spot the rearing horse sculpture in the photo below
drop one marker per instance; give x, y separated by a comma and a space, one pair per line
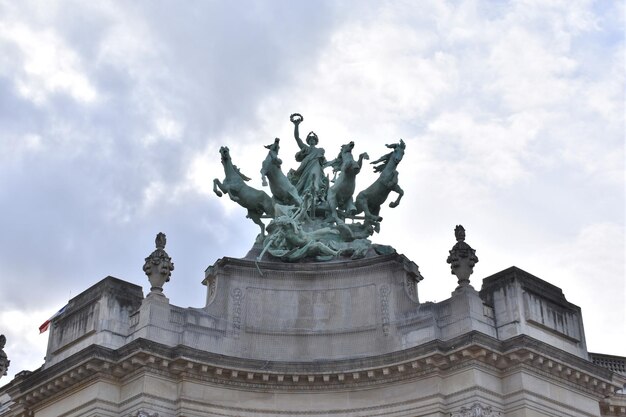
283, 190
257, 202
340, 194
369, 200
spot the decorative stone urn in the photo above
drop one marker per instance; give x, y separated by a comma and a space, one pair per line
158, 266
462, 258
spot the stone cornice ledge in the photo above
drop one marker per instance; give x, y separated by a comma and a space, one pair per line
314, 267
436, 356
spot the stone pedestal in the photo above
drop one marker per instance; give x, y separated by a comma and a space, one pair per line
152, 321
311, 311
464, 312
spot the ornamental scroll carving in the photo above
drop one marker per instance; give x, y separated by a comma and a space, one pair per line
211, 283
476, 410
237, 296
384, 308
411, 277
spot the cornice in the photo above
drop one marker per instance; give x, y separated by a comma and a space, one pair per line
436, 357
312, 267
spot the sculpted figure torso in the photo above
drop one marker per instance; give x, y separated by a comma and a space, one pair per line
310, 174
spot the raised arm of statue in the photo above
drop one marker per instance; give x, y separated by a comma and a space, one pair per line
296, 119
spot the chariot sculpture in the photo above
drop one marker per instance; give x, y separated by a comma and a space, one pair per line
307, 211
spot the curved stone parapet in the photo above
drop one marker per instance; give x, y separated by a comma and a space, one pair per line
335, 310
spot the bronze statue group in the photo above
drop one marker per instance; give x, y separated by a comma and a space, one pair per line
307, 209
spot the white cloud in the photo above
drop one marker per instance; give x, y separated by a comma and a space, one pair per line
47, 65
164, 128
590, 270
527, 73
379, 69
498, 145
25, 347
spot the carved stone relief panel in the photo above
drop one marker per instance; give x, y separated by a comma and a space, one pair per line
384, 308
410, 286
476, 410
237, 296
314, 311
211, 284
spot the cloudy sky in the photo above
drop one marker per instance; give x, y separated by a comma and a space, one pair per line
112, 115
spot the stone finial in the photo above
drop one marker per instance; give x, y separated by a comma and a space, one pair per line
160, 240
4, 360
158, 266
462, 258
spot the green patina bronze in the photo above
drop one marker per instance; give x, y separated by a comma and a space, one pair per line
257, 202
307, 214
340, 194
284, 192
369, 200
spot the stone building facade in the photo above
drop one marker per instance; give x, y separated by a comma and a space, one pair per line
346, 338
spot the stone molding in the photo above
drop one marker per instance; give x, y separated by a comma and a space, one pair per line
470, 350
316, 267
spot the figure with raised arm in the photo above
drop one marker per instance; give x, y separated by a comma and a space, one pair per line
310, 174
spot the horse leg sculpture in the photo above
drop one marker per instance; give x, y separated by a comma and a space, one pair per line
216, 184
256, 217
349, 208
363, 205
400, 192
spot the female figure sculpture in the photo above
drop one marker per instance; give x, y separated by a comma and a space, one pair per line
310, 174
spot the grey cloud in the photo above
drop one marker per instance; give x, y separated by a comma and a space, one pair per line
63, 207
75, 211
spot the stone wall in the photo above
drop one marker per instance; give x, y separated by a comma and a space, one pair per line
525, 304
100, 315
338, 339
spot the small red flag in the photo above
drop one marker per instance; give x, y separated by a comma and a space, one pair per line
46, 323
